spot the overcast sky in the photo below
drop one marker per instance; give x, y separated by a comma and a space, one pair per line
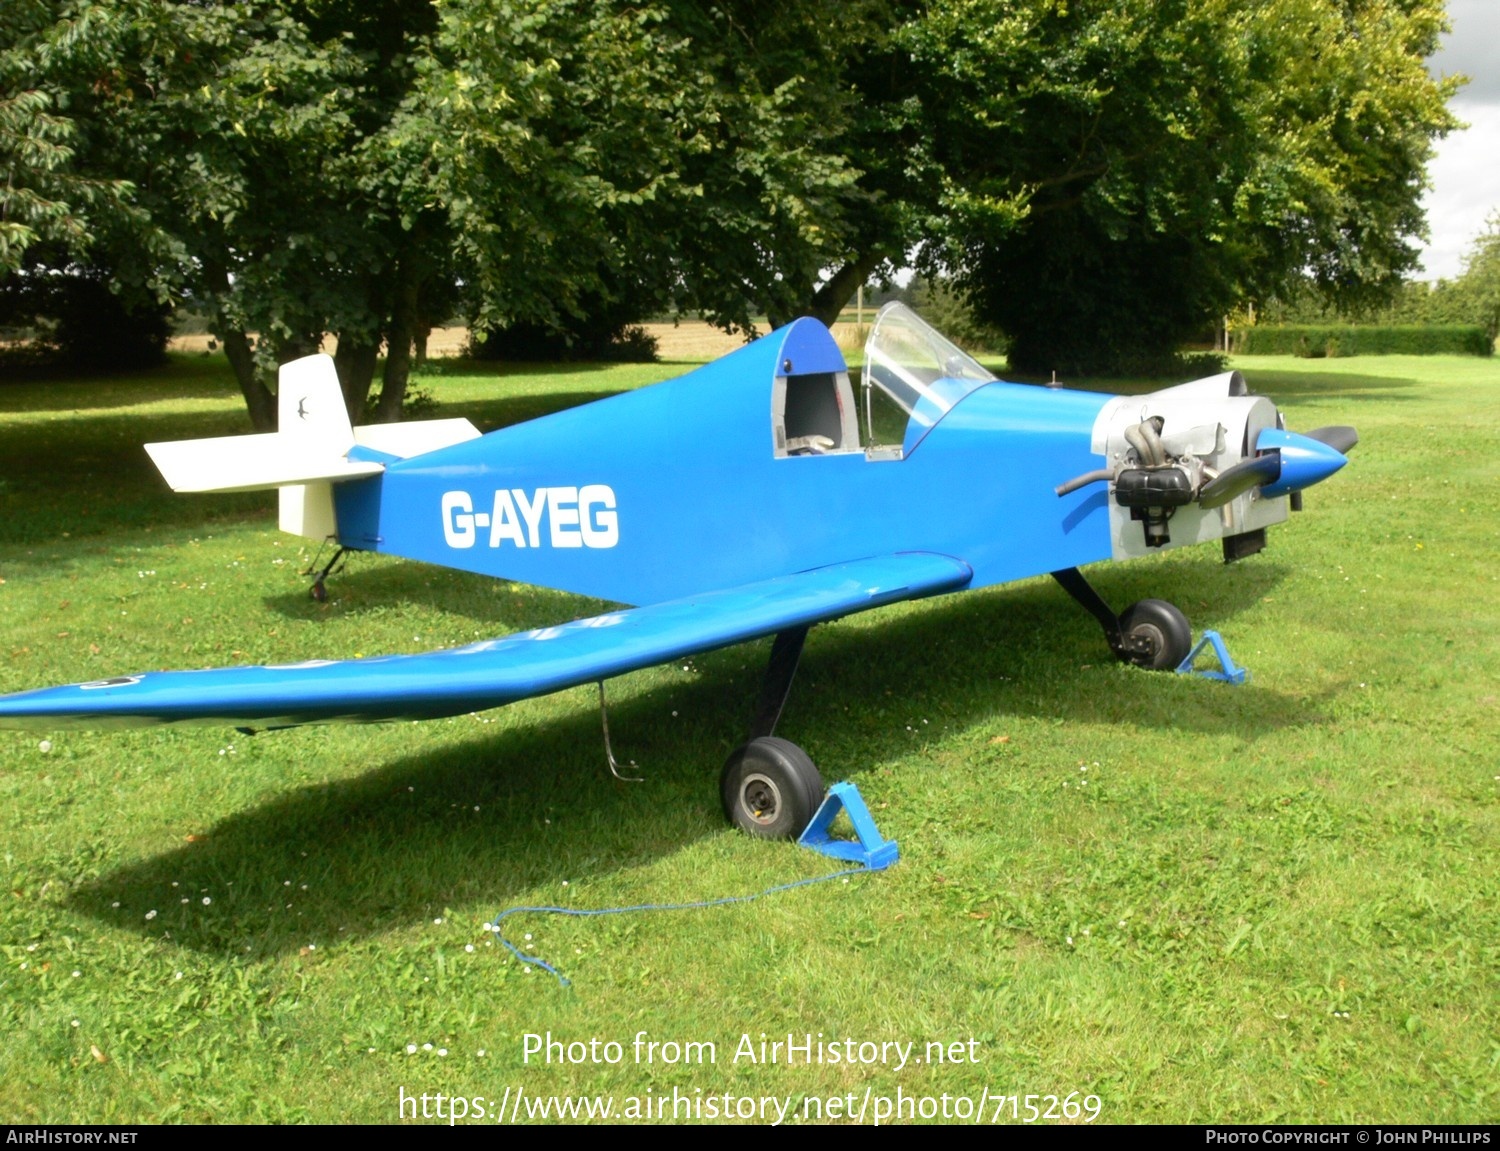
1465, 172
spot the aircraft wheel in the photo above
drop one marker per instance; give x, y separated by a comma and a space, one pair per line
1156, 635
770, 788
318, 591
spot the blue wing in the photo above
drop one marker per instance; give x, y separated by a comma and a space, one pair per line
493, 672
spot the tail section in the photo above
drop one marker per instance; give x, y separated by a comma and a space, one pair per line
310, 411
312, 444
308, 453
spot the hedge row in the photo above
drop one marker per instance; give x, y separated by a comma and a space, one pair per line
1314, 341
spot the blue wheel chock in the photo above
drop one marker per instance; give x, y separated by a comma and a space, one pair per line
871, 850
1228, 673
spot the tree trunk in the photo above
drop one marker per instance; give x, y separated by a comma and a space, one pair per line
355, 361
258, 398
259, 401
829, 300
403, 329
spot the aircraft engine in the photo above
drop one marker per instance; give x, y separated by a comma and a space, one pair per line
1204, 460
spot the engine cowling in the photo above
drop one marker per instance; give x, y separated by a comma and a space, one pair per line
1201, 461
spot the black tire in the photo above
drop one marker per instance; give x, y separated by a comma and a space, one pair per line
770, 788
1156, 635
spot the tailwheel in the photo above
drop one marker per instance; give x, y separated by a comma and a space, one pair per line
770, 788
1154, 634
319, 589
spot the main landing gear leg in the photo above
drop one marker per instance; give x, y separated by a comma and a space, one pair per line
1151, 634
776, 686
770, 787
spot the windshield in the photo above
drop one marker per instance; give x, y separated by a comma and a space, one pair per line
921, 371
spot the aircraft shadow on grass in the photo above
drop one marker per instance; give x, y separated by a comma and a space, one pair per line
391, 847
497, 607
1293, 386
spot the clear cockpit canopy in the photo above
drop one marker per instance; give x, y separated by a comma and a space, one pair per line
913, 375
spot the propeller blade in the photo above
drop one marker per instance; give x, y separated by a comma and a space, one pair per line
1240, 479
1339, 437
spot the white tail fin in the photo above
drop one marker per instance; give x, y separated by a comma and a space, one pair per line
305, 456
310, 409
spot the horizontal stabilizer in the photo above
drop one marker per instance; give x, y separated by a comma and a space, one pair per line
313, 437
249, 463
311, 443
416, 437
493, 672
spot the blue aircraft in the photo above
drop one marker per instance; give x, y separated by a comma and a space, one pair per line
756, 496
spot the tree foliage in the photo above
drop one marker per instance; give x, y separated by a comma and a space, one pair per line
1475, 296
1472, 298
1117, 172
42, 200
676, 155
335, 167
263, 149
1098, 176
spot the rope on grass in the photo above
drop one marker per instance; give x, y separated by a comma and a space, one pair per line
494, 925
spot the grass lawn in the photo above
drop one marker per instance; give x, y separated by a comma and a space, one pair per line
1193, 902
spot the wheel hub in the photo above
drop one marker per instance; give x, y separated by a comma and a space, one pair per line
1147, 639
761, 798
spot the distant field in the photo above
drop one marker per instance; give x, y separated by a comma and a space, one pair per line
691, 340
1192, 902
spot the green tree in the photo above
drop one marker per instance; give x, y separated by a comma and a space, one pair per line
42, 200
1118, 172
675, 155
66, 314
333, 167
263, 153
1473, 298
1097, 175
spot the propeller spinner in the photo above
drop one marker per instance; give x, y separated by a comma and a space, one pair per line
1287, 462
